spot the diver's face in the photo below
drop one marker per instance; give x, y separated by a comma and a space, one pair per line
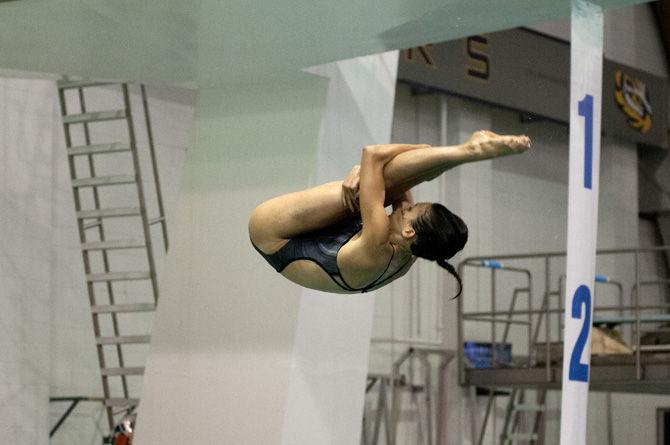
409, 212
404, 216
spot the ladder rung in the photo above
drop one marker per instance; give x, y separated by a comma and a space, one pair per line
123, 340
90, 225
118, 276
529, 408
103, 180
156, 220
121, 371
116, 308
95, 116
521, 436
109, 213
98, 149
83, 83
114, 244
122, 402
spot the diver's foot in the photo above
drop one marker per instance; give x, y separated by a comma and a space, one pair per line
487, 144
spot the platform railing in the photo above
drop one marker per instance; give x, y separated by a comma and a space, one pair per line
534, 317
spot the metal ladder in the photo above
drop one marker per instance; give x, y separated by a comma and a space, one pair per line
517, 410
372, 422
95, 221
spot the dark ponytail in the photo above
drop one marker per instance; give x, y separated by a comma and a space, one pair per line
444, 264
440, 235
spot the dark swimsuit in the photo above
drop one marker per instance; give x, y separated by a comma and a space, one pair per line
321, 246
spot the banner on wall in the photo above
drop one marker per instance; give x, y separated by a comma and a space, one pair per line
527, 71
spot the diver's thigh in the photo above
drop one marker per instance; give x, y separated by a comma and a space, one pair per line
293, 214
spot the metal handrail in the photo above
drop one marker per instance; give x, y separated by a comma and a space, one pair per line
599, 280
521, 256
495, 266
545, 311
154, 167
422, 355
557, 310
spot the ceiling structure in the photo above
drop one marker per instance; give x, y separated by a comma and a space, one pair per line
214, 42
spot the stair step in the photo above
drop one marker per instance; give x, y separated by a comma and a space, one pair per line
124, 340
113, 244
520, 436
109, 213
67, 84
95, 116
117, 308
103, 180
121, 402
116, 147
121, 371
528, 407
156, 220
117, 276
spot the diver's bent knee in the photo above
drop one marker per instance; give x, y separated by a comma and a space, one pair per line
256, 224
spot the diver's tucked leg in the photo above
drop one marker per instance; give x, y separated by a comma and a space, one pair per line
290, 215
414, 167
287, 216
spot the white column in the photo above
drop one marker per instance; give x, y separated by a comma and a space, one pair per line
29, 135
239, 354
224, 330
585, 106
330, 356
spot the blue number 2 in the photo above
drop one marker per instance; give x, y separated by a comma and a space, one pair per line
580, 371
585, 109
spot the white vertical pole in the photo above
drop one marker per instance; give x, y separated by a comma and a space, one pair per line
585, 109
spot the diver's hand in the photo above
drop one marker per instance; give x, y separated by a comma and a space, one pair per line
350, 189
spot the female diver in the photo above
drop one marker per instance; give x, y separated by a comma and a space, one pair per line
318, 239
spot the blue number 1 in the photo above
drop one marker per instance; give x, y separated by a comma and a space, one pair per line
585, 109
580, 371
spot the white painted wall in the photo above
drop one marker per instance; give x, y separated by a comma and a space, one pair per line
28, 135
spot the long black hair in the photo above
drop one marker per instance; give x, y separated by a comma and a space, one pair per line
440, 235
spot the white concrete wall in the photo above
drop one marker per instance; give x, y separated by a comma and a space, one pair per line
29, 134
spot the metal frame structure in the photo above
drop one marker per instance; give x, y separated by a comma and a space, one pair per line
430, 411
539, 368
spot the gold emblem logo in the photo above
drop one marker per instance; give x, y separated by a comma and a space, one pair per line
631, 96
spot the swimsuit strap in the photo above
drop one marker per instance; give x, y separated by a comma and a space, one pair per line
376, 281
387, 278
